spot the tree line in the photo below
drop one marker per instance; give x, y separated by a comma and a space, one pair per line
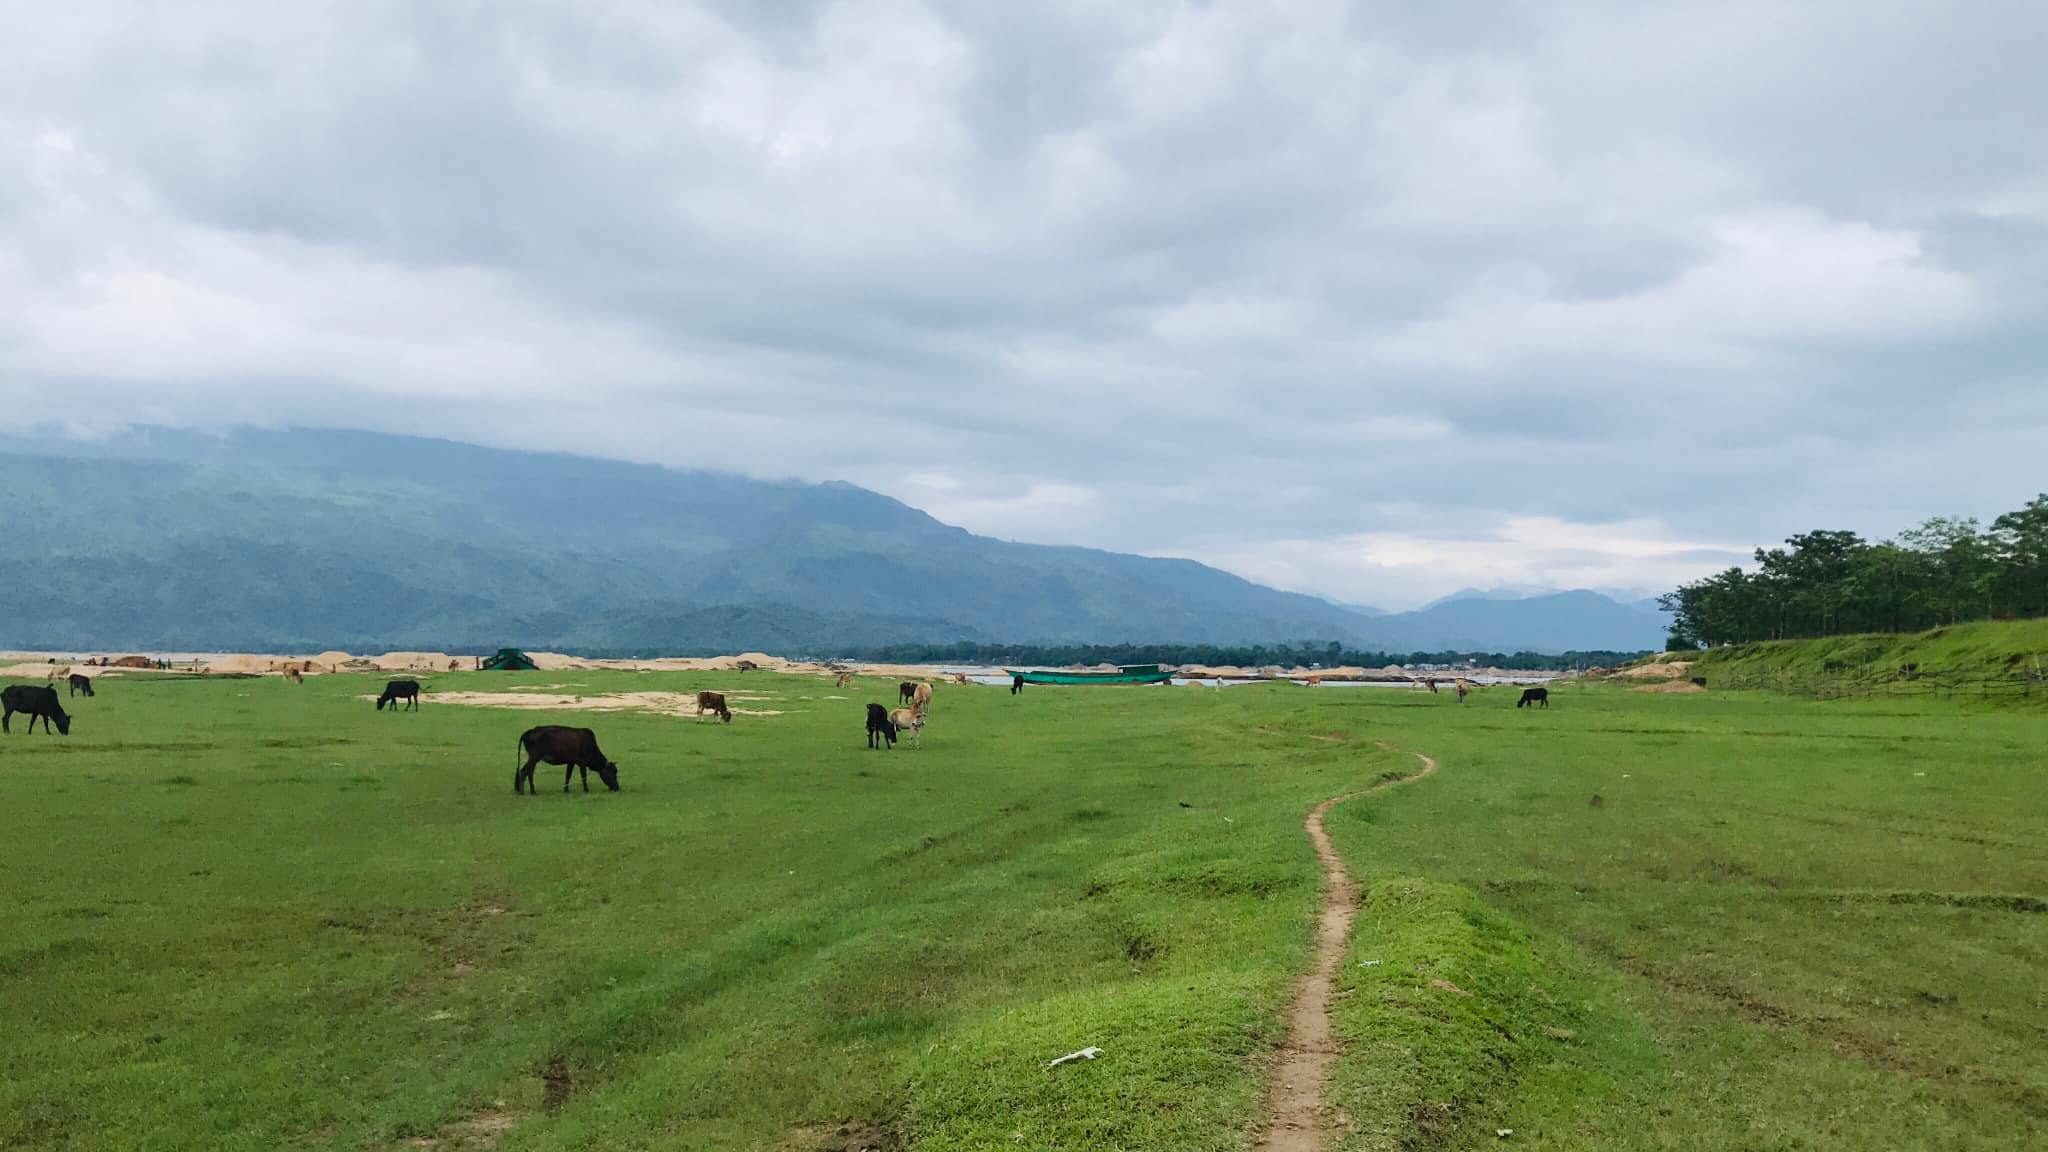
1329, 654
1947, 570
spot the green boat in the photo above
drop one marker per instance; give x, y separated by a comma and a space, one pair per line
1130, 674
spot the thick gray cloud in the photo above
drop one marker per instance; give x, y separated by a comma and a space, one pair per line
1373, 300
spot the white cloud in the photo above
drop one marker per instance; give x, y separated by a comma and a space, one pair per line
1404, 569
1361, 298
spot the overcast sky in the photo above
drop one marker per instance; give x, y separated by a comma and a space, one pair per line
1369, 300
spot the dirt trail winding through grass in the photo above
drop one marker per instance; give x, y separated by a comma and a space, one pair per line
1294, 1098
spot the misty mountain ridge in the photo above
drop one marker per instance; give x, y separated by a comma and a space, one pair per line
297, 540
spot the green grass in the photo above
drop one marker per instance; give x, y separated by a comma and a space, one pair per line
248, 914
1987, 649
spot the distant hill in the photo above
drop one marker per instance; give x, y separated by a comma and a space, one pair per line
301, 540
1557, 622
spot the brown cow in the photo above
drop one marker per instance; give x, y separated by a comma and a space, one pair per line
713, 702
909, 720
921, 698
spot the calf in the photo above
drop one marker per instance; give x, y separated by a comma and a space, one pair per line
80, 684
553, 744
881, 733
713, 702
398, 690
912, 721
39, 701
1539, 697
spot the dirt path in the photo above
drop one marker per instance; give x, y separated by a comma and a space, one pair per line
1294, 1098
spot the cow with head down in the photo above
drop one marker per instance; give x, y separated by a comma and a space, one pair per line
713, 703
553, 744
881, 733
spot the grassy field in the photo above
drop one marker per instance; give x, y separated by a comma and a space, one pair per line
1984, 650
245, 914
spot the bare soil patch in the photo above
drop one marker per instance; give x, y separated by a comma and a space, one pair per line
664, 703
1656, 670
1294, 1096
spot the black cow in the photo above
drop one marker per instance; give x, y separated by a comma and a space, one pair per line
1539, 697
553, 744
398, 690
39, 701
905, 691
1016, 685
1701, 681
80, 684
879, 728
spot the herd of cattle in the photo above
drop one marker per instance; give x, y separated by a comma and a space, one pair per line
575, 749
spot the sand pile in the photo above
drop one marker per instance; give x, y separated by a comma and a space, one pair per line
242, 663
1672, 670
418, 662
1671, 686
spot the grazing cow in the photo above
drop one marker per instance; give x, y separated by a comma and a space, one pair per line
1700, 681
912, 721
1431, 682
904, 691
713, 702
748, 666
843, 679
1016, 685
398, 690
39, 701
921, 698
1539, 697
80, 684
293, 675
1462, 687
553, 744
881, 733
960, 678
454, 664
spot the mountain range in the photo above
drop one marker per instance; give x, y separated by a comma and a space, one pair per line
297, 539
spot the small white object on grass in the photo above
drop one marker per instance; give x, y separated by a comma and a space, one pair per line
1369, 963
1503, 1133
1088, 1053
